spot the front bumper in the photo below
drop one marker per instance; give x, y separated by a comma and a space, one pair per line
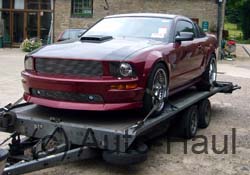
112, 99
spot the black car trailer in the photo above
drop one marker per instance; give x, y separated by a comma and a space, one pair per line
43, 137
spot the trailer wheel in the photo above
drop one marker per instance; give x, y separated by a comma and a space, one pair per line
133, 156
189, 122
204, 108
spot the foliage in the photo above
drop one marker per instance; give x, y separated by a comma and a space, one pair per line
245, 24
237, 13
235, 33
28, 45
233, 15
233, 11
235, 3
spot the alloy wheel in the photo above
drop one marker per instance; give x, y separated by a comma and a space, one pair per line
159, 89
212, 72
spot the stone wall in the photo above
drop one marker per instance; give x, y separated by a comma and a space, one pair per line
205, 10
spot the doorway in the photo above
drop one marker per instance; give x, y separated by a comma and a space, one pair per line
32, 25
17, 28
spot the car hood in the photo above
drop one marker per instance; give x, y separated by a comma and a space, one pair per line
115, 49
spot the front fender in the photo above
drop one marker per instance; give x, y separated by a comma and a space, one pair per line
151, 60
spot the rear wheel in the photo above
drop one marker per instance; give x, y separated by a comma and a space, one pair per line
157, 90
204, 108
209, 76
189, 122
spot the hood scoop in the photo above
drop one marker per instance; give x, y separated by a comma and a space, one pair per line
96, 38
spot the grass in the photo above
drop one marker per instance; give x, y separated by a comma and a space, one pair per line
235, 33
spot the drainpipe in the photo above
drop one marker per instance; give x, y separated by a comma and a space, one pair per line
221, 18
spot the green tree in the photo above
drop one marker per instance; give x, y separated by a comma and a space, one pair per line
245, 19
233, 11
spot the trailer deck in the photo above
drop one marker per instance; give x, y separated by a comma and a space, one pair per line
92, 130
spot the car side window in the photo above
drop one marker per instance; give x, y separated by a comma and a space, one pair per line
201, 32
197, 30
184, 26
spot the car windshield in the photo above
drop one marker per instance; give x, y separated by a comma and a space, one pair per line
135, 27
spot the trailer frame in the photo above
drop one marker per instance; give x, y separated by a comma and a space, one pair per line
80, 137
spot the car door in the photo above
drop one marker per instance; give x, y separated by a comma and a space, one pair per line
203, 45
184, 55
200, 42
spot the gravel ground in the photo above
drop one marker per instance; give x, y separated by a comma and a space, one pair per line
228, 111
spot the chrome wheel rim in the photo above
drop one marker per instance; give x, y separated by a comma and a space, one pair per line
159, 89
212, 72
194, 123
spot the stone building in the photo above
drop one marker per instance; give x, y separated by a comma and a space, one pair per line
48, 18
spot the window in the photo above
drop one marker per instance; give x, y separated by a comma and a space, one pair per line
195, 20
199, 31
33, 4
5, 4
19, 4
82, 8
184, 26
46, 4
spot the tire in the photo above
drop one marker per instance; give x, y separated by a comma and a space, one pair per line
189, 122
160, 91
209, 76
204, 108
133, 156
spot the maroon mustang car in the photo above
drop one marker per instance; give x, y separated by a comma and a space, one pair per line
122, 62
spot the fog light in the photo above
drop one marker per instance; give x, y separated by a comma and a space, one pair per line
38, 92
91, 98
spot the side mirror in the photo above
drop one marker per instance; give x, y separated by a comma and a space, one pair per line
184, 36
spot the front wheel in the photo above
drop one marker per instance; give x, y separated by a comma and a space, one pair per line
156, 90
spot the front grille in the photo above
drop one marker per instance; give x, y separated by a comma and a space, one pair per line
55, 66
67, 96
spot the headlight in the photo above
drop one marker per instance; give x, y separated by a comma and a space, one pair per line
29, 63
126, 70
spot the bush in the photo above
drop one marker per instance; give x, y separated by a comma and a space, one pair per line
28, 45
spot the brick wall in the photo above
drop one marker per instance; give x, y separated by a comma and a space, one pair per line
205, 10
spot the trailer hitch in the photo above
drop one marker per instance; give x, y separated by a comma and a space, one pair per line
229, 87
7, 121
8, 118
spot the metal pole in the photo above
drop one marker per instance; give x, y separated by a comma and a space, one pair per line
221, 17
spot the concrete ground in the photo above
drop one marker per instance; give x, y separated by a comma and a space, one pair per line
228, 111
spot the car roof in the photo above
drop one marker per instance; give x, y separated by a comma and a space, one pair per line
160, 15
